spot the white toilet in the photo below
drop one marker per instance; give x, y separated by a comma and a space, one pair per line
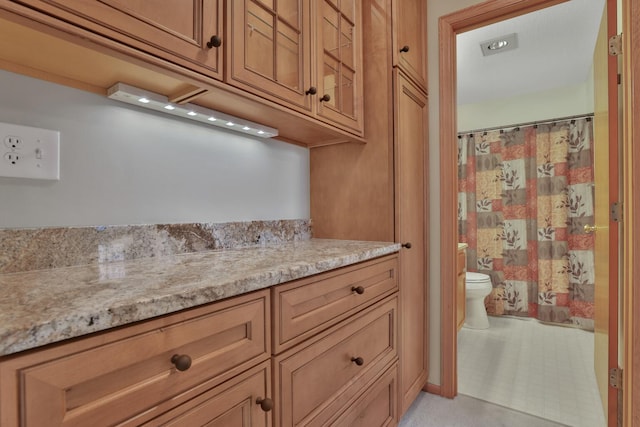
477, 287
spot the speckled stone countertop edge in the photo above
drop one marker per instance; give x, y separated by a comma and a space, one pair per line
48, 306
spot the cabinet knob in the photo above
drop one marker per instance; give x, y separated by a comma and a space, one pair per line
215, 41
266, 404
312, 91
181, 361
407, 245
404, 49
358, 360
325, 98
357, 289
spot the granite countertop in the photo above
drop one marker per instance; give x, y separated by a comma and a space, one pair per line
462, 246
47, 306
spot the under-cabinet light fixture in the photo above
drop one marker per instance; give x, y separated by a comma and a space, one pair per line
153, 101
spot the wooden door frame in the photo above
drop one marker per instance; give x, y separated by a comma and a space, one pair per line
631, 219
487, 13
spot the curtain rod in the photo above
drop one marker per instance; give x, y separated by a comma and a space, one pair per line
538, 122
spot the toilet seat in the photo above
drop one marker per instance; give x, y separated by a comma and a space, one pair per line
473, 277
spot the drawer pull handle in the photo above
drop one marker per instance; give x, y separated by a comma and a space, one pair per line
407, 245
215, 41
404, 49
266, 404
312, 91
358, 290
325, 98
182, 361
358, 360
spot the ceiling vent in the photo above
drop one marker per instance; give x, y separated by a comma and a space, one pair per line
499, 44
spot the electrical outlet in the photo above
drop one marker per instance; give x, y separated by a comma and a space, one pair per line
12, 157
30, 152
13, 142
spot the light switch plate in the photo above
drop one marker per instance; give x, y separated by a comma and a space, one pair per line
29, 152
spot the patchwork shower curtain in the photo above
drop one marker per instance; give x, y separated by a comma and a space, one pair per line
524, 197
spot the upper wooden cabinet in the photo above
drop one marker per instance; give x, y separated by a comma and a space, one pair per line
410, 39
339, 61
270, 52
255, 59
269, 49
187, 33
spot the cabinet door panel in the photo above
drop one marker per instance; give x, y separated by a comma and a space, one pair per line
230, 404
270, 49
410, 29
177, 31
377, 406
340, 63
411, 190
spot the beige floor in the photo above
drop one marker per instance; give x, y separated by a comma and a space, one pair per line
519, 373
535, 368
429, 410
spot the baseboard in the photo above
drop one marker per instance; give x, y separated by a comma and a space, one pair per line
432, 388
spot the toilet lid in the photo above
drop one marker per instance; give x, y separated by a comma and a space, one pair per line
476, 277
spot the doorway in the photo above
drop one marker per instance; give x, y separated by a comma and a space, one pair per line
451, 25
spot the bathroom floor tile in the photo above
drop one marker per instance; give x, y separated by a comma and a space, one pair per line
539, 369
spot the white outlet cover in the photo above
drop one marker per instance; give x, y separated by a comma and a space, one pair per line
29, 152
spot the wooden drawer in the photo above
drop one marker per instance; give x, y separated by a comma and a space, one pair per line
317, 379
127, 374
308, 306
232, 403
377, 407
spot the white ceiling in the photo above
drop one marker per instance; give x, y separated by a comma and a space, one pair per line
555, 49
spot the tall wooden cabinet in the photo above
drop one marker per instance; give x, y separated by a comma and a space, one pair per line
411, 131
379, 191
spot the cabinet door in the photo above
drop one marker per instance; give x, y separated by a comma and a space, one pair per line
377, 406
410, 39
411, 219
233, 403
177, 31
340, 63
270, 49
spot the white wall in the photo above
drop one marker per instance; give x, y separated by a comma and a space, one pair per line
550, 104
436, 9
122, 165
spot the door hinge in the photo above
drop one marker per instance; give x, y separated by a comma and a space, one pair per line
616, 212
619, 78
615, 378
615, 45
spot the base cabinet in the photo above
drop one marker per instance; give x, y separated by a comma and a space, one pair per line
219, 364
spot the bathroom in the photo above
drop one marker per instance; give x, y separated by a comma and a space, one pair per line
526, 193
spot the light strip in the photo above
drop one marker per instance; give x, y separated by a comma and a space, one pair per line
153, 101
